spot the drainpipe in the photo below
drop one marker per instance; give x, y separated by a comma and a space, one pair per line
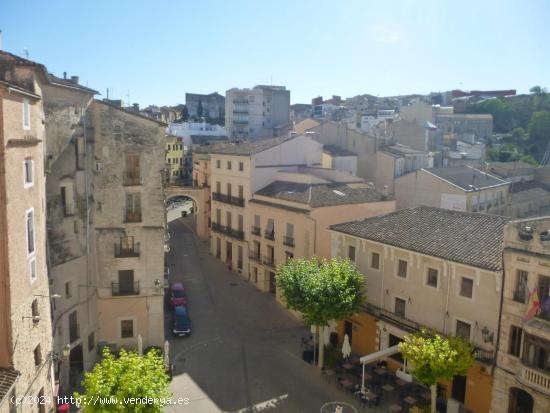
494, 364
446, 316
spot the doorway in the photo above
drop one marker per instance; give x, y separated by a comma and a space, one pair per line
520, 401
348, 329
459, 388
272, 284
76, 365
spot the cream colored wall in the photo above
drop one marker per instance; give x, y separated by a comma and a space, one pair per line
428, 305
327, 216
421, 188
326, 161
26, 334
385, 171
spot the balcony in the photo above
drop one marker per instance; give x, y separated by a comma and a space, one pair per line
269, 261
256, 231
269, 235
484, 356
222, 229
535, 378
228, 199
217, 227
124, 251
288, 241
240, 111
240, 101
253, 255
240, 122
123, 289
132, 216
131, 178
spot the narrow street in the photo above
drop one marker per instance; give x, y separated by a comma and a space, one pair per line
244, 352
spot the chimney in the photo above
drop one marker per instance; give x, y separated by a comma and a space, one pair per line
64, 75
75, 79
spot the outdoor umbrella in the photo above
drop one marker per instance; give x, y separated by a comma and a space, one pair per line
346, 348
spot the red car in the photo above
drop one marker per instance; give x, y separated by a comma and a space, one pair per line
177, 295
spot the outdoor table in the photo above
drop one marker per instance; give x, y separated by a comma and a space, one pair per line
400, 382
347, 384
395, 408
329, 374
347, 366
387, 387
369, 395
410, 400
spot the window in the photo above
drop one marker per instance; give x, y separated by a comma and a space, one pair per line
91, 341
74, 331
402, 268
399, 308
218, 164
68, 289
520, 292
218, 216
126, 328
288, 255
28, 172
536, 353
466, 287
133, 207
351, 253
169, 149
132, 171
228, 165
218, 187
516, 334
228, 189
241, 166
432, 277
228, 219
463, 329
32, 269
270, 230
67, 199
126, 284
241, 192
34, 308
30, 231
37, 355
375, 260
240, 223
26, 115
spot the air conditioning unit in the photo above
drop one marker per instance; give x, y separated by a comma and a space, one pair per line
99, 166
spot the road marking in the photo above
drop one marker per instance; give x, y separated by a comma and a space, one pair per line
192, 347
258, 407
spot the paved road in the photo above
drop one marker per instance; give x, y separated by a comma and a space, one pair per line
244, 352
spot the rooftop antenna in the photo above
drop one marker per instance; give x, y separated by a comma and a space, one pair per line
107, 93
26, 53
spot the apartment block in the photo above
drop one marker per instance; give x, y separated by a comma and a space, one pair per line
461, 188
428, 268
105, 214
522, 374
26, 354
290, 217
175, 159
237, 171
260, 112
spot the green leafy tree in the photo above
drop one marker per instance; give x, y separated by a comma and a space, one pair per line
184, 114
113, 381
539, 133
435, 357
321, 290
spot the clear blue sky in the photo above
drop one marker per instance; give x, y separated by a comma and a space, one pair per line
158, 50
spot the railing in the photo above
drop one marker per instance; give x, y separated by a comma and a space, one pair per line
132, 216
256, 230
542, 314
234, 233
269, 235
288, 241
520, 296
228, 199
217, 227
239, 110
121, 289
535, 378
253, 255
240, 101
485, 356
240, 122
269, 261
131, 178
121, 252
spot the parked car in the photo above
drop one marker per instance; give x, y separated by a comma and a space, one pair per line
177, 295
182, 322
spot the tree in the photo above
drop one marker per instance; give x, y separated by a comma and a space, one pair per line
113, 381
435, 357
321, 290
184, 114
539, 133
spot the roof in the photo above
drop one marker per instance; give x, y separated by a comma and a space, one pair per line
54, 80
321, 195
335, 150
249, 147
511, 166
466, 177
8, 377
130, 112
468, 238
306, 124
401, 150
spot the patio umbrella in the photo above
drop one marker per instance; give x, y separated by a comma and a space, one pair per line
140, 345
346, 347
326, 335
166, 353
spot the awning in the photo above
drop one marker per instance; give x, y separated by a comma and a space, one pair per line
369, 358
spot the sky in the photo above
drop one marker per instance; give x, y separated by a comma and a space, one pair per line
156, 51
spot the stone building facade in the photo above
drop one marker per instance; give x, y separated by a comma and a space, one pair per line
522, 374
26, 356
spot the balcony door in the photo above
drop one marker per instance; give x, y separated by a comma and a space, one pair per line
459, 388
126, 282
